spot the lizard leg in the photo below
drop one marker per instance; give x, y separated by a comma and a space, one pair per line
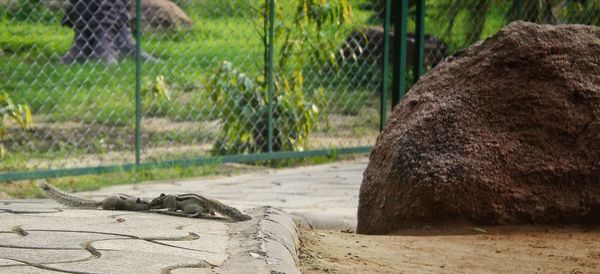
194, 215
194, 210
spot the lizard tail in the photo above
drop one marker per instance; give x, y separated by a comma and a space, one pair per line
228, 211
67, 199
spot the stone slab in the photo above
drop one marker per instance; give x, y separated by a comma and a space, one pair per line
52, 239
213, 252
191, 270
43, 256
58, 238
8, 262
323, 191
25, 269
141, 261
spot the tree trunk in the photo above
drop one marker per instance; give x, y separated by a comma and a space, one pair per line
102, 31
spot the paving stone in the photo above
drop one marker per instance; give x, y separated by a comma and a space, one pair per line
213, 252
326, 220
43, 256
200, 226
128, 262
25, 270
6, 226
205, 242
5, 262
52, 239
191, 271
27, 205
51, 221
142, 225
12, 209
79, 213
288, 189
325, 195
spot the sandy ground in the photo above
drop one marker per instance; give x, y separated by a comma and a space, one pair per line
459, 250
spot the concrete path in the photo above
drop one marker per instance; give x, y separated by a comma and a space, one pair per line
326, 195
40, 236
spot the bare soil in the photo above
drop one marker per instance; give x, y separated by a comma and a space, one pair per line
522, 249
110, 144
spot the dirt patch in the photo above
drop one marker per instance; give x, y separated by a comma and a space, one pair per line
505, 133
456, 250
161, 125
70, 144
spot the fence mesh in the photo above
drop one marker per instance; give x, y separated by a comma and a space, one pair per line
204, 85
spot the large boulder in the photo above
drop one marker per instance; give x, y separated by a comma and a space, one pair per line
161, 15
508, 132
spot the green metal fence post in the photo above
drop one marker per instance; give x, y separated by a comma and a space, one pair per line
385, 69
519, 9
399, 54
270, 84
419, 41
138, 80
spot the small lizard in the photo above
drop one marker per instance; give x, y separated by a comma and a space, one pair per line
114, 202
195, 205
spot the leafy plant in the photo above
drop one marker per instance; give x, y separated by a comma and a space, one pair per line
243, 99
20, 114
26, 10
157, 90
311, 37
245, 112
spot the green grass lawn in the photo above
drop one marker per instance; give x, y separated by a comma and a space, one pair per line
100, 98
30, 66
93, 92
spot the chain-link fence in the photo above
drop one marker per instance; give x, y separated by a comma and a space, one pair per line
211, 80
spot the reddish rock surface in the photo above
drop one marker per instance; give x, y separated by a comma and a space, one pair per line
508, 131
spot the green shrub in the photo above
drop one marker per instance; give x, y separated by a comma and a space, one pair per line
27, 10
156, 90
20, 114
244, 112
243, 99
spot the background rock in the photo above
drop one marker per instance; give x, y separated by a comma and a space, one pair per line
161, 15
508, 132
158, 15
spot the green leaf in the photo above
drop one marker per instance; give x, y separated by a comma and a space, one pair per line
20, 114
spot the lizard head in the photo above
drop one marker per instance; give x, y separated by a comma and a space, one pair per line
158, 201
142, 204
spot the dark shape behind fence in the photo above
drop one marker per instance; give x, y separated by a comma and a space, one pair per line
102, 31
366, 45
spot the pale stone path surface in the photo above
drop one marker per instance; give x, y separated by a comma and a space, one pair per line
327, 194
41, 236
